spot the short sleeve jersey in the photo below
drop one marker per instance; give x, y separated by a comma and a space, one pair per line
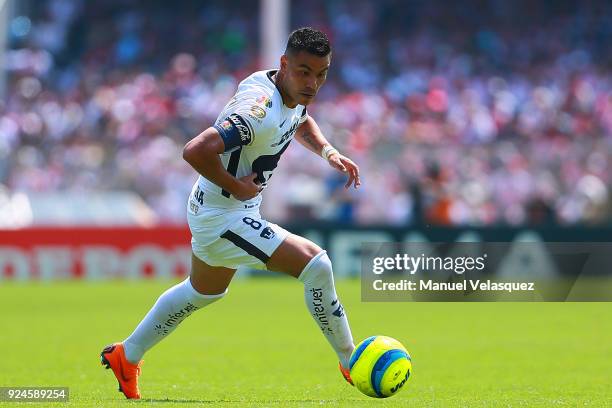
256, 128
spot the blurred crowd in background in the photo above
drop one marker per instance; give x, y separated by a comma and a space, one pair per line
467, 112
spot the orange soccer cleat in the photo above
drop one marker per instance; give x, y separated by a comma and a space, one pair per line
346, 374
113, 357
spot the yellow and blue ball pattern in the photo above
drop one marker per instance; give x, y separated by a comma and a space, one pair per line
380, 366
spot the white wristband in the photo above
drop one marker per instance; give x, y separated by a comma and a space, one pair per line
327, 151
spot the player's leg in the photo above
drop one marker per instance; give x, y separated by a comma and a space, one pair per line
303, 259
252, 241
206, 285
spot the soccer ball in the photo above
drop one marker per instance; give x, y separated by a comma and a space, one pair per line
380, 366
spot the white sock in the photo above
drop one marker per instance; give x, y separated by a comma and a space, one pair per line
326, 309
172, 307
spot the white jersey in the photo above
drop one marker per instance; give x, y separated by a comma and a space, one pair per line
257, 128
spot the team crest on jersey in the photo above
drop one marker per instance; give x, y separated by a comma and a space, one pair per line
258, 112
265, 101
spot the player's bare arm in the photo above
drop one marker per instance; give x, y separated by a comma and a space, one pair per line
202, 153
310, 136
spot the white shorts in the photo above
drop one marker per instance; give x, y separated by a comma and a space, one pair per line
233, 238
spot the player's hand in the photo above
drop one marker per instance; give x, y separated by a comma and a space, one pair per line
345, 165
247, 187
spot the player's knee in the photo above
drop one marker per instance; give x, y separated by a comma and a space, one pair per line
207, 294
211, 298
319, 268
204, 299
313, 250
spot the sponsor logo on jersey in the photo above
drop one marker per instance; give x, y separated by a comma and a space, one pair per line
258, 112
286, 135
265, 101
243, 129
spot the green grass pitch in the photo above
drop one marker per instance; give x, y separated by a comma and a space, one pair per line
259, 347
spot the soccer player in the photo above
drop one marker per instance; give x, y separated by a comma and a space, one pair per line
235, 159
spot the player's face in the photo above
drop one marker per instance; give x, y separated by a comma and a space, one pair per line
305, 74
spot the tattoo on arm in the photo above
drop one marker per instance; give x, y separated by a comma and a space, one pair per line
308, 138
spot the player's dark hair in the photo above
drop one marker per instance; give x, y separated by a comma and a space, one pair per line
310, 40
